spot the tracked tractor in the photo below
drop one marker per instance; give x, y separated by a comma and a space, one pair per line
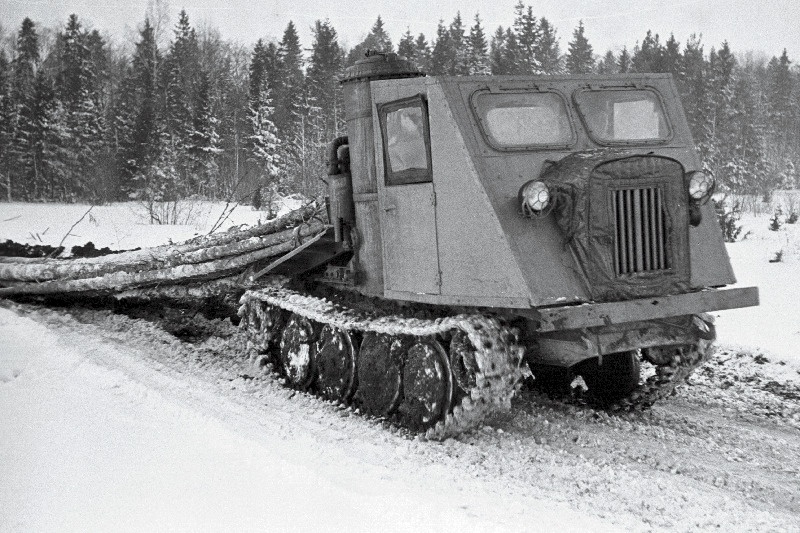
485, 228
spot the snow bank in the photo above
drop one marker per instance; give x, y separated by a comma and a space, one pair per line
120, 225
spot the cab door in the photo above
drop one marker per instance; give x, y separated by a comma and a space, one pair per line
407, 198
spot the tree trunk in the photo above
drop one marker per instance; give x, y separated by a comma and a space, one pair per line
214, 257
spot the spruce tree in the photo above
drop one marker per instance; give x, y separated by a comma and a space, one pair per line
502, 52
376, 40
527, 35
580, 59
288, 82
672, 57
406, 47
607, 65
7, 127
136, 121
624, 61
26, 62
460, 47
322, 78
423, 53
264, 143
478, 62
548, 53
443, 54
204, 142
649, 57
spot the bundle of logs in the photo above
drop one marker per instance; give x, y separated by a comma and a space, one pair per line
201, 267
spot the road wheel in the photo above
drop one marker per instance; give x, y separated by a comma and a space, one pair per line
427, 384
380, 373
298, 351
336, 364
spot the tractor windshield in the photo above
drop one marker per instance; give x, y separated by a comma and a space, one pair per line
620, 115
523, 120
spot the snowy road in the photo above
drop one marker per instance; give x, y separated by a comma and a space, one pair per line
110, 431
109, 423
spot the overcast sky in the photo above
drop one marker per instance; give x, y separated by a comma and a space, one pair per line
767, 25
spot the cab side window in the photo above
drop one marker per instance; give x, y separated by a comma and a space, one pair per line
406, 141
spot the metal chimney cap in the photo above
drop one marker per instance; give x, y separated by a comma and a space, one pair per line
378, 65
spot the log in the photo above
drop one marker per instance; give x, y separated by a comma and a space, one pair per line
313, 210
119, 281
135, 261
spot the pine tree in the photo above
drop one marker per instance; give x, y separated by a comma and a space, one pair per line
548, 53
478, 62
579, 57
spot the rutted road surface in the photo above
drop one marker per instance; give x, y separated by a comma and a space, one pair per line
724, 454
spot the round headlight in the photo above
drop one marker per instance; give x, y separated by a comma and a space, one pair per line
700, 185
535, 197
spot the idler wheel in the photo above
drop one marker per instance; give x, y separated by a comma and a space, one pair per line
336, 364
297, 352
462, 361
427, 384
380, 373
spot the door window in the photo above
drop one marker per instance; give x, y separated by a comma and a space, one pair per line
406, 141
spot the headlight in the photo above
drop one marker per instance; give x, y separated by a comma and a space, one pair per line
701, 185
534, 197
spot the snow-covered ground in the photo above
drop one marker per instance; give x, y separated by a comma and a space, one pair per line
108, 423
122, 226
95, 439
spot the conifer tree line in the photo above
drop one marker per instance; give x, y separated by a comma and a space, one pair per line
208, 118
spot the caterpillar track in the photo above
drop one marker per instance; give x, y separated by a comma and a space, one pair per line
673, 365
441, 376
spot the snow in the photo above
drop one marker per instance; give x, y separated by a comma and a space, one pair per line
95, 439
121, 225
99, 433
772, 328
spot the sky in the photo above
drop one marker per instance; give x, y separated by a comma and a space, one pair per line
767, 26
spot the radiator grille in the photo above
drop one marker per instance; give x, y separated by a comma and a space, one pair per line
641, 243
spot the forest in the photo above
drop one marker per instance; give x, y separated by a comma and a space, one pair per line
183, 113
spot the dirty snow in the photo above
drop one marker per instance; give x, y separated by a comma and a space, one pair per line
96, 436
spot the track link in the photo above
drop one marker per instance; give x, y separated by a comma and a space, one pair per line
673, 365
497, 364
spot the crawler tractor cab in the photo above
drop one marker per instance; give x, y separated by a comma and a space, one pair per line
574, 206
